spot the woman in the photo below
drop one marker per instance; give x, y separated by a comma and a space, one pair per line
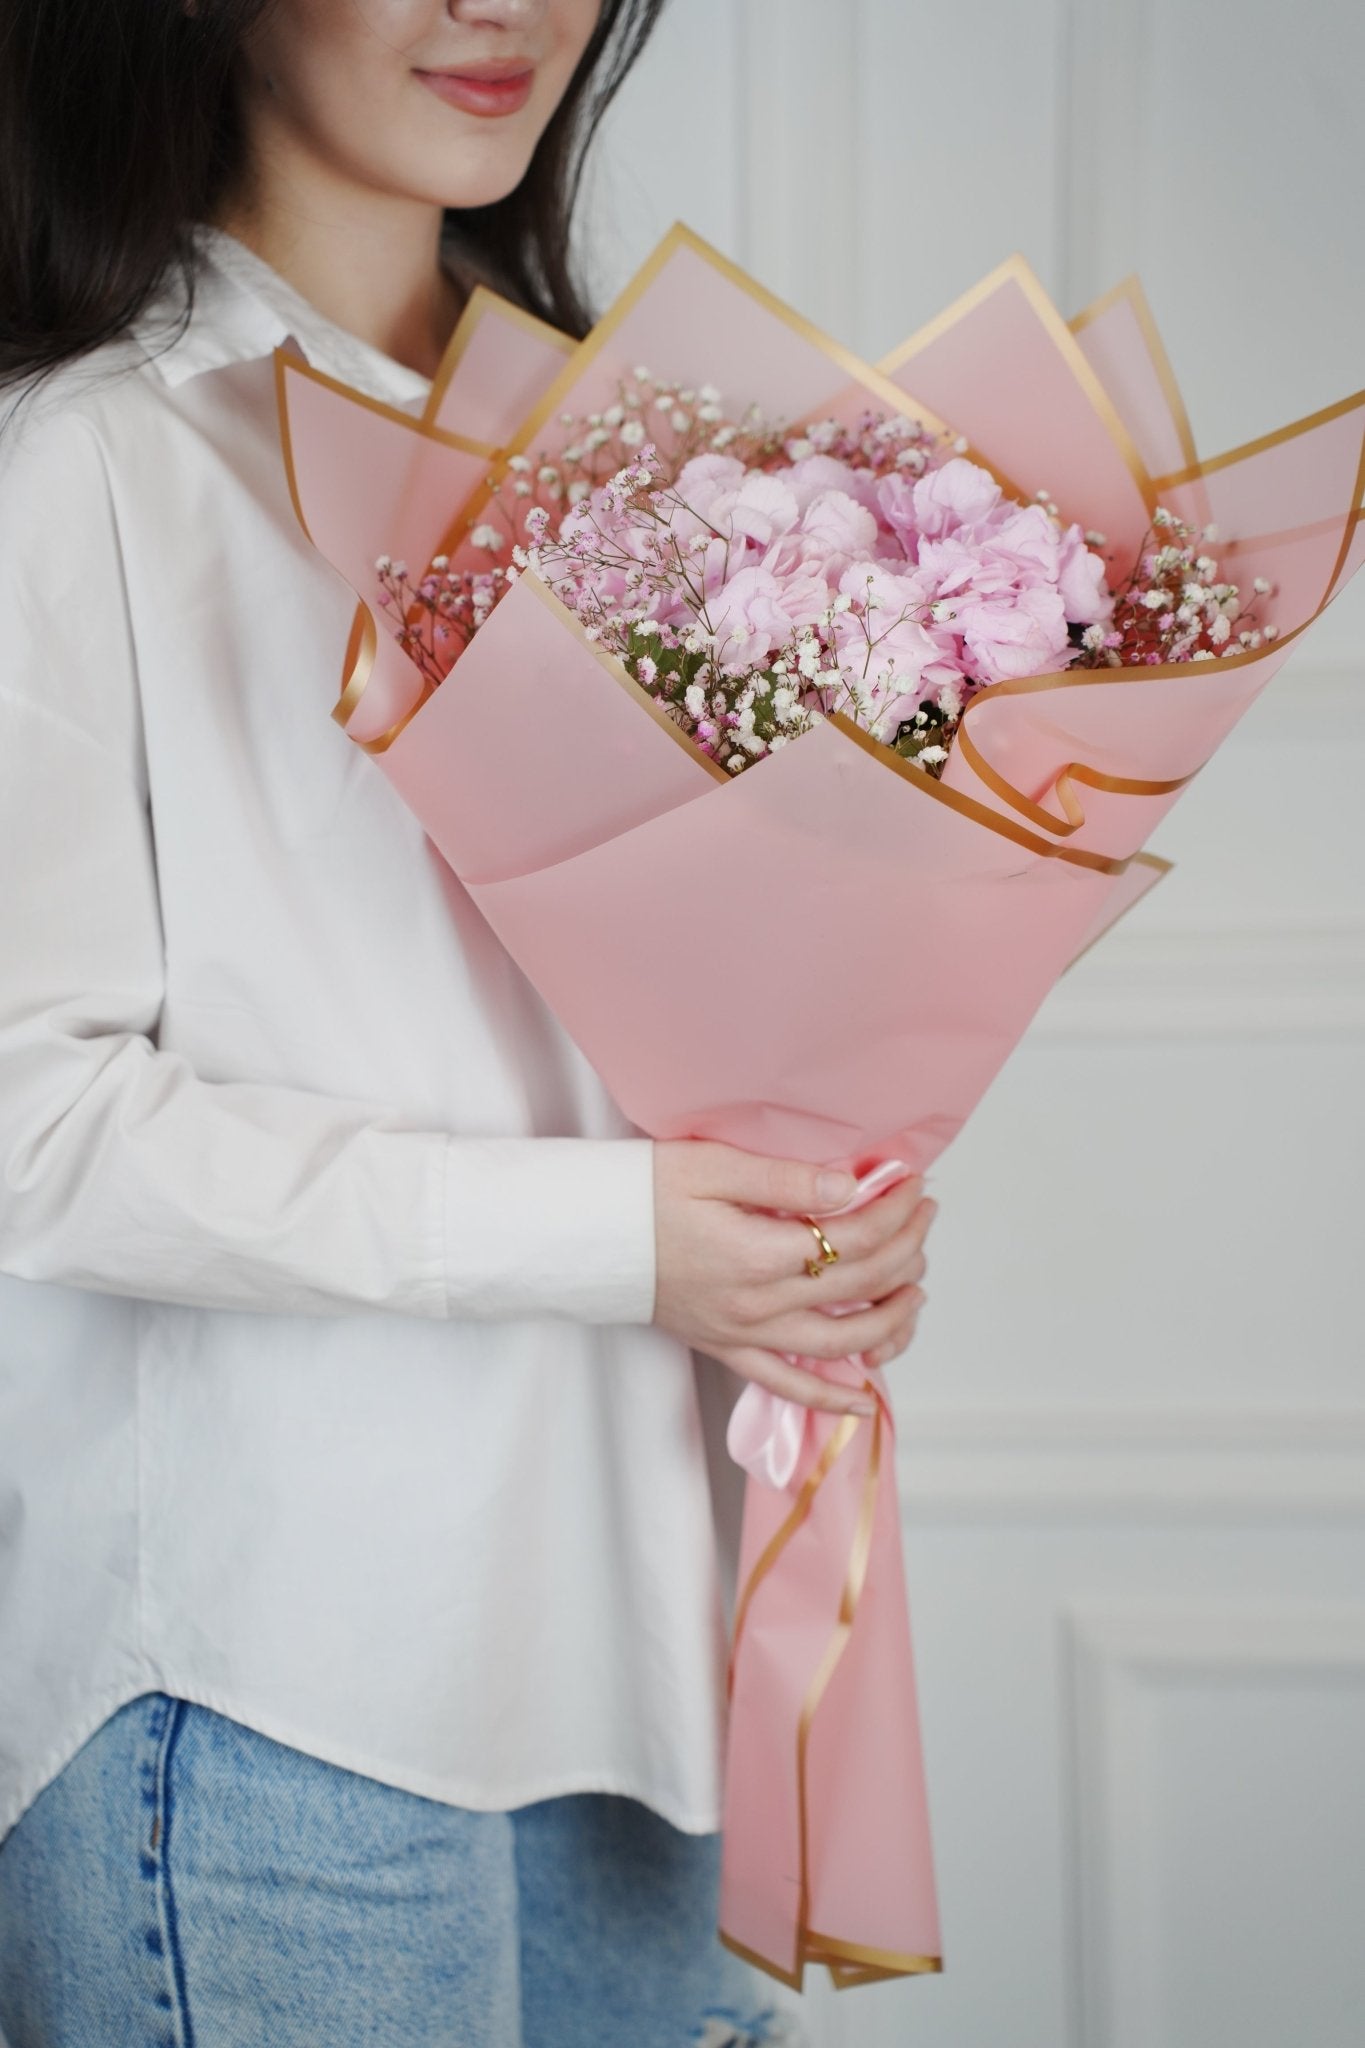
362, 1608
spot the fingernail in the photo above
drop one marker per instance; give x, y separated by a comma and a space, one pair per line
835, 1188
862, 1407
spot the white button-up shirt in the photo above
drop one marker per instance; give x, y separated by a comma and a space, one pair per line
328, 1395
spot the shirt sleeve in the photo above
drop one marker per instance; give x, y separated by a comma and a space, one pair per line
121, 1169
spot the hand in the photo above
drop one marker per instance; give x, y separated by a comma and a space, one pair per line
732, 1280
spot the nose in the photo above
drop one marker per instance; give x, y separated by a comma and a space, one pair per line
513, 14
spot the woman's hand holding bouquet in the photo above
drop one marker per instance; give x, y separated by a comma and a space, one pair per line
738, 1280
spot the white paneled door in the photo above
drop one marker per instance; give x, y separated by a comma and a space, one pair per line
1133, 1424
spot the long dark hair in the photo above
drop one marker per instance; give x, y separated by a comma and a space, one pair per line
119, 131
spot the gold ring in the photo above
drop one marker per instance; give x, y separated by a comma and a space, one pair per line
827, 1252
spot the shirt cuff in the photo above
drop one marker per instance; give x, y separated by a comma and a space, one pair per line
550, 1227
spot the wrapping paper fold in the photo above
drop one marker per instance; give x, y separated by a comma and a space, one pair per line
830, 956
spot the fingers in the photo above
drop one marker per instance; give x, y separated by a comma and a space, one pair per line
867, 1269
867, 1230
896, 1262
776, 1247
781, 1377
811, 1334
901, 1262
752, 1181
733, 1274
894, 1345
756, 1182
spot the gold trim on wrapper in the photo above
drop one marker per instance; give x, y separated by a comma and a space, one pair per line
1161, 868
1080, 771
1015, 270
1285, 536
970, 807
360, 653
849, 1963
1130, 288
286, 360
361, 647
851, 366
1075, 771
1259, 446
621, 675
838, 1441
480, 303
1093, 678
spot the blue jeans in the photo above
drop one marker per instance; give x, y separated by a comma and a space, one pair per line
187, 1883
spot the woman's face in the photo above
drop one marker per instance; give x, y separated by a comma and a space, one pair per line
438, 100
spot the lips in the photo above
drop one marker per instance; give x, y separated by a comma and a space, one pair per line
488, 90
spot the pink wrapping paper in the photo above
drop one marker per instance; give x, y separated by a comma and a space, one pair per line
830, 956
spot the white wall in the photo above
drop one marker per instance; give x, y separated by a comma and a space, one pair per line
1133, 1424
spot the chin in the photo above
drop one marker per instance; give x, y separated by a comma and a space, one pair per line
490, 191
498, 184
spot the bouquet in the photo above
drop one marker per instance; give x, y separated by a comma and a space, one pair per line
757, 580
795, 724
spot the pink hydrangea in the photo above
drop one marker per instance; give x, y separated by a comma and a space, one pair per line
959, 494
1080, 578
878, 590
1019, 634
756, 574
749, 619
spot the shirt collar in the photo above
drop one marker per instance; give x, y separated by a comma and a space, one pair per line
243, 309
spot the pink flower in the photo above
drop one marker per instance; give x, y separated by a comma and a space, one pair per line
836, 524
717, 491
950, 567
960, 493
762, 509
803, 573
1021, 635
888, 636
896, 504
749, 619
723, 556
1028, 540
702, 482
816, 473
705, 477
1080, 578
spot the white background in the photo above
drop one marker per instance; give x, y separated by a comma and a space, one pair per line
1133, 1424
